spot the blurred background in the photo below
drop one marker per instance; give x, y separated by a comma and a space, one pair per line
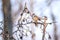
12, 10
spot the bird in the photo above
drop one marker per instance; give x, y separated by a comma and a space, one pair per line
35, 19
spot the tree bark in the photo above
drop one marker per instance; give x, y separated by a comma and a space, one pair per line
7, 19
